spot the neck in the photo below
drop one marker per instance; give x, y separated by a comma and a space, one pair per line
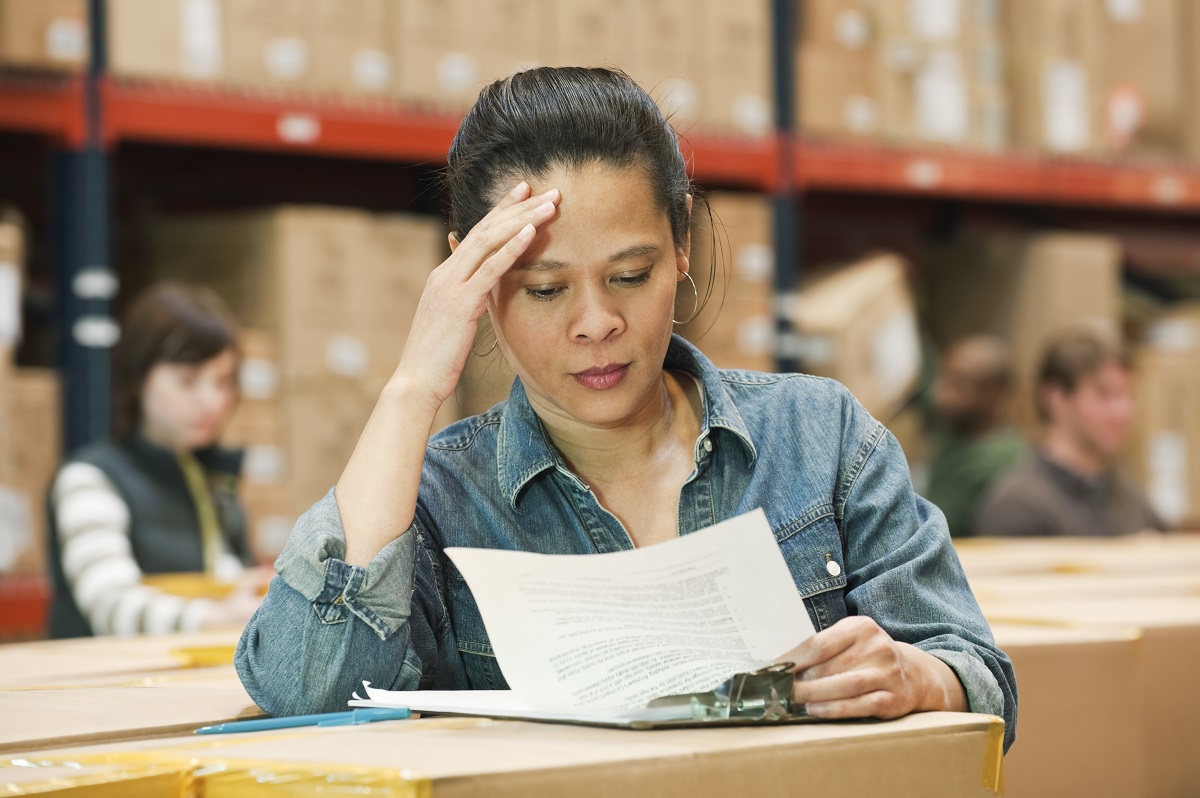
1064, 449
667, 422
162, 440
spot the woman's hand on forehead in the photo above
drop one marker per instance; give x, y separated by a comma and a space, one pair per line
456, 292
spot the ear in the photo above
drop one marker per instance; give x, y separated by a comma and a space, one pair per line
453, 241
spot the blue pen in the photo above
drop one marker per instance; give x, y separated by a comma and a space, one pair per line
352, 718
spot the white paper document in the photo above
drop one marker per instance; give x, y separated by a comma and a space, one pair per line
600, 635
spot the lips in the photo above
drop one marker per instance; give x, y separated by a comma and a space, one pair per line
601, 378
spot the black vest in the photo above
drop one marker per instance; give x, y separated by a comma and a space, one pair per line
164, 529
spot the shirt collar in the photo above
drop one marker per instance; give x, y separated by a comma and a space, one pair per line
524, 449
1074, 482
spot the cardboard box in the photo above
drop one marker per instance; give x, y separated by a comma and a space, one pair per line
1164, 693
943, 22
1190, 29
842, 24
12, 271
838, 91
1024, 289
352, 48
735, 281
1068, 740
446, 51
587, 33
1166, 449
1143, 94
928, 755
666, 59
1055, 52
943, 94
736, 57
270, 43
33, 406
857, 324
174, 39
47, 34
1135, 558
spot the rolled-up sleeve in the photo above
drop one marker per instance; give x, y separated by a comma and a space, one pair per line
905, 574
326, 626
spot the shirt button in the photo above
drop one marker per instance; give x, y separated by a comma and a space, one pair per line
833, 568
707, 445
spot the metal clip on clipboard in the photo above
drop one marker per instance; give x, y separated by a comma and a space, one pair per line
758, 696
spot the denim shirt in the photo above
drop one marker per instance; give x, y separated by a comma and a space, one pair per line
832, 480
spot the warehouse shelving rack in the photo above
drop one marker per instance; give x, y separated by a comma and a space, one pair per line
85, 117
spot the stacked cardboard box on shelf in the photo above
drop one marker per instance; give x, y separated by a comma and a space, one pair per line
735, 280
903, 71
47, 34
1054, 74
328, 295
708, 64
1166, 448
29, 423
1144, 97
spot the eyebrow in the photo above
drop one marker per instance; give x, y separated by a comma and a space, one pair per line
546, 265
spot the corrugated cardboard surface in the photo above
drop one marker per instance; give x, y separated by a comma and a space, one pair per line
46, 34
1072, 737
1164, 694
934, 754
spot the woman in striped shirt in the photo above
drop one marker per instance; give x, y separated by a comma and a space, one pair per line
159, 497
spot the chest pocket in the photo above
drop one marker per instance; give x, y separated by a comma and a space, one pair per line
812, 548
483, 672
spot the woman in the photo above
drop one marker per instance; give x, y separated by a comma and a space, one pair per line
570, 211
160, 497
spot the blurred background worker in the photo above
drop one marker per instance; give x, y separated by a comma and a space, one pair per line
1072, 485
976, 442
159, 498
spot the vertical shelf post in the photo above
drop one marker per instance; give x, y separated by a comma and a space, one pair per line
785, 203
80, 199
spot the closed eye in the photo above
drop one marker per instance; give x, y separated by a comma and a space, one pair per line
544, 294
634, 279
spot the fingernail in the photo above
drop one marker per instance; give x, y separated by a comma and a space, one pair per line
519, 190
526, 232
814, 709
546, 207
551, 194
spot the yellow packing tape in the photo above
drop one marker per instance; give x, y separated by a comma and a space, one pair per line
204, 656
993, 757
44, 777
189, 586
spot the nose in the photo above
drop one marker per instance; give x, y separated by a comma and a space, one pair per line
595, 316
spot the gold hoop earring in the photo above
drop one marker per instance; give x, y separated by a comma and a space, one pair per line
491, 349
696, 309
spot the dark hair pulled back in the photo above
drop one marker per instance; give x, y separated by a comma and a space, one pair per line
532, 122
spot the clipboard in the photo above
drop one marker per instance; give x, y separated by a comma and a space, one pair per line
755, 698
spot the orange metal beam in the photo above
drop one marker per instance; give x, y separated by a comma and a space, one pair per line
834, 166
46, 105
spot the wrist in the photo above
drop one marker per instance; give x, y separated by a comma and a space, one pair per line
939, 687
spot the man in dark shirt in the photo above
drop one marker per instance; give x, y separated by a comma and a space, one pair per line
975, 443
1072, 486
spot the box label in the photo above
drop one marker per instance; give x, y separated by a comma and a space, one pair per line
10, 304
200, 38
286, 58
372, 69
66, 40
1065, 105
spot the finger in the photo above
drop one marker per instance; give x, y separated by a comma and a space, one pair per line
519, 193
838, 687
492, 269
822, 647
498, 228
878, 704
874, 650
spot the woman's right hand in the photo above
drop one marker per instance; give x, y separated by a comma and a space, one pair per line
455, 294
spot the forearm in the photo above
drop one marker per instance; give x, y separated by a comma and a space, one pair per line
377, 492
